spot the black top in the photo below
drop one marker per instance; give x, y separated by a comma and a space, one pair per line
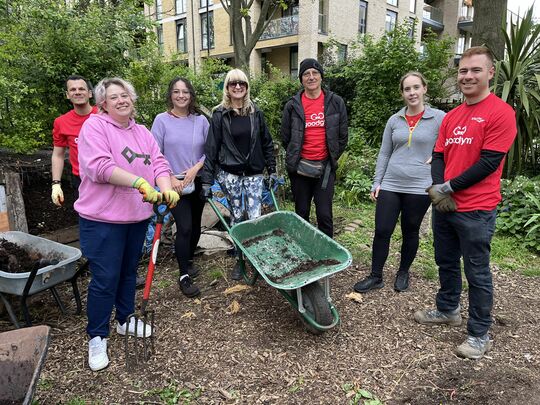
241, 133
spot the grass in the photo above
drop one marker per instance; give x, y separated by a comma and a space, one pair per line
507, 252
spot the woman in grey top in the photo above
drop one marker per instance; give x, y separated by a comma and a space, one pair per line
402, 175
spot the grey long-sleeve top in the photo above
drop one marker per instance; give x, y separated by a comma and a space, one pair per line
401, 168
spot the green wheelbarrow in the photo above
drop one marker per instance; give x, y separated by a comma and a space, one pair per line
294, 257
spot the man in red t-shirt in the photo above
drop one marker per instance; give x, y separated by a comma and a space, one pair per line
314, 132
66, 130
468, 160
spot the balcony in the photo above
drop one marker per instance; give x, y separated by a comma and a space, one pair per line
465, 23
281, 27
432, 17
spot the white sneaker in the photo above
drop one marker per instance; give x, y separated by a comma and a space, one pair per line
121, 328
97, 353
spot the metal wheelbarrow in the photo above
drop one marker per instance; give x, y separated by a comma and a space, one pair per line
294, 257
22, 354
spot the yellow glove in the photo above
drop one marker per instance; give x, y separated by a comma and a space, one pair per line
149, 193
57, 195
171, 198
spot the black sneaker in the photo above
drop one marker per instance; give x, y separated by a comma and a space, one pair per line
188, 288
236, 273
192, 270
368, 283
402, 281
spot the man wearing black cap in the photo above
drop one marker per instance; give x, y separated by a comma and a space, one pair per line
314, 133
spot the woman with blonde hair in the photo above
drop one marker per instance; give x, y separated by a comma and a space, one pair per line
238, 149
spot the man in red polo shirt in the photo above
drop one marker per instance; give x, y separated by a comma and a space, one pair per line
468, 160
66, 130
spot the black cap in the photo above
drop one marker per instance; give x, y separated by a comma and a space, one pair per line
309, 63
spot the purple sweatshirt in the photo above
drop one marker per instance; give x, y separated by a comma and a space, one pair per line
181, 140
103, 146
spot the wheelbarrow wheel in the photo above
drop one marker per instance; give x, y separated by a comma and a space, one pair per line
316, 305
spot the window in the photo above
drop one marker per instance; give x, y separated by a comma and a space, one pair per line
323, 17
159, 9
341, 53
291, 10
363, 17
205, 3
392, 2
181, 43
390, 20
180, 6
293, 65
207, 30
160, 37
412, 6
412, 27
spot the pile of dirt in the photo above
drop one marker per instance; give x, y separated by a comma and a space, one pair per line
15, 259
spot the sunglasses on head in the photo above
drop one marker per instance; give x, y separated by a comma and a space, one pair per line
235, 83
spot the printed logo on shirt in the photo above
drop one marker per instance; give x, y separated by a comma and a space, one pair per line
315, 120
459, 139
478, 119
131, 156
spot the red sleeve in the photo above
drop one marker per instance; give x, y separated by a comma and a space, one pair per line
501, 130
58, 138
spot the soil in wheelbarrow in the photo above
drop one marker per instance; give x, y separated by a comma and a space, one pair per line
16, 259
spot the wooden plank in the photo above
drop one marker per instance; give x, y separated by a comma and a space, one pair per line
15, 202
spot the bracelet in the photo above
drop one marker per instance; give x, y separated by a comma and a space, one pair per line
56, 182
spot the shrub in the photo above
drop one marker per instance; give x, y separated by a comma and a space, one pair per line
519, 211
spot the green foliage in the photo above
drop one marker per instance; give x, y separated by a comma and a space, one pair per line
517, 82
360, 396
376, 73
43, 42
271, 96
355, 170
519, 211
173, 394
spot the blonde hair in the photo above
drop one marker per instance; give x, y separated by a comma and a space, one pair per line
247, 104
100, 91
409, 74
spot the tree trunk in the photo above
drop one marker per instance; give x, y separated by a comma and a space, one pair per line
488, 25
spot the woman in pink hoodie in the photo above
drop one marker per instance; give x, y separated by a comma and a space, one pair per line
119, 160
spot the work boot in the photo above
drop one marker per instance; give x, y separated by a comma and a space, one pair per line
436, 317
402, 281
192, 270
474, 347
97, 353
146, 332
236, 273
369, 283
187, 287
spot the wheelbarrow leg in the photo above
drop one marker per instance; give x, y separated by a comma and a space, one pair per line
25, 311
59, 302
76, 294
10, 312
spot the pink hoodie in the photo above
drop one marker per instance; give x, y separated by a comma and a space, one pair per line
104, 145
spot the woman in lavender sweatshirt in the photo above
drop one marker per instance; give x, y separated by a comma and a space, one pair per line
181, 134
402, 175
118, 159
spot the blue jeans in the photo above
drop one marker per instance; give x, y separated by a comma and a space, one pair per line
113, 252
467, 235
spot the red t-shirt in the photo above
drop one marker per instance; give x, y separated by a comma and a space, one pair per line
66, 130
464, 132
314, 147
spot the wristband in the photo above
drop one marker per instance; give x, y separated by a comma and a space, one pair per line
56, 182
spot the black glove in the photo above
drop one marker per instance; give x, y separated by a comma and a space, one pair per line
206, 191
438, 192
447, 204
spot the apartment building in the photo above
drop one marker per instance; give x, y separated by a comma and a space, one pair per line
192, 30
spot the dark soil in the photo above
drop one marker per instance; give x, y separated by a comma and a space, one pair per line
304, 267
15, 259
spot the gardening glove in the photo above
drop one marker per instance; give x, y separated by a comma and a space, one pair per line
438, 192
171, 198
273, 179
447, 204
57, 195
149, 193
206, 192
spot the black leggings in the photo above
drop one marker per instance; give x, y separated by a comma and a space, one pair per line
412, 207
187, 216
